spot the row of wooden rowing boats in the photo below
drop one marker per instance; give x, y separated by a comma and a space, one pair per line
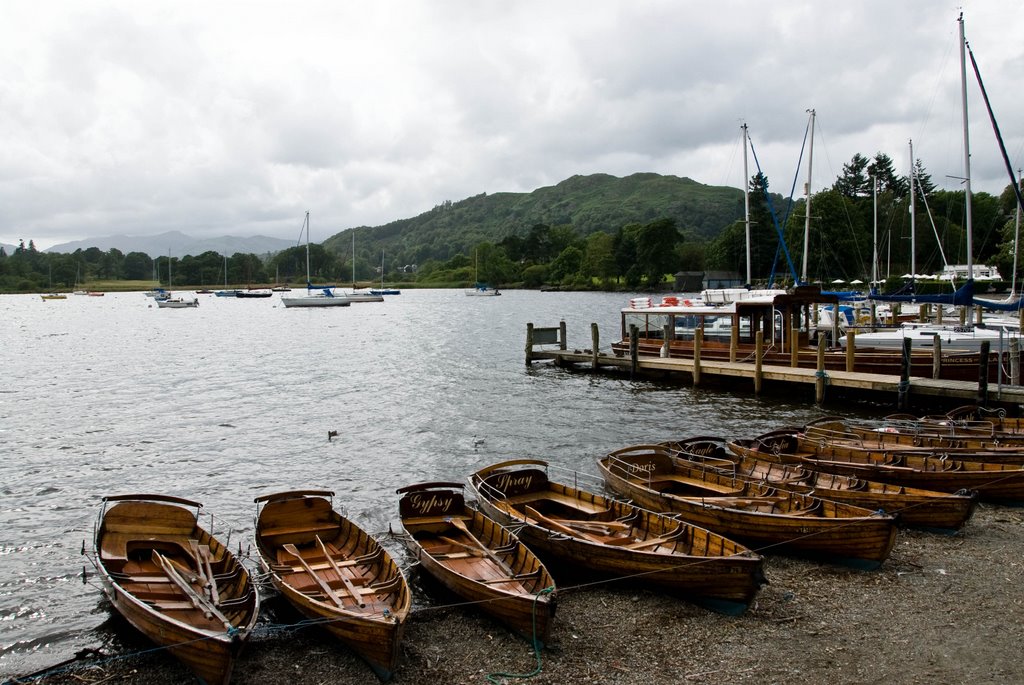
691, 516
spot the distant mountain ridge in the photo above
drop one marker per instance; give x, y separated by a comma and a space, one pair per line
590, 203
178, 244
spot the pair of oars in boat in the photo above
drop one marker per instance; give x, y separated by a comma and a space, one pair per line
200, 602
324, 585
484, 550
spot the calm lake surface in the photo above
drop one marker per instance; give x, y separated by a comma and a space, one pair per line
112, 395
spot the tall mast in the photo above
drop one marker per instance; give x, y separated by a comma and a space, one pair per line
353, 258
807, 207
746, 200
1016, 244
874, 232
308, 282
913, 216
967, 152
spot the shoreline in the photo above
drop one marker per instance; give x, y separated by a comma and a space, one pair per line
941, 609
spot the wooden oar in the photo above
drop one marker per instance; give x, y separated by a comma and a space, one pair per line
561, 526
197, 600
348, 583
461, 525
328, 590
204, 554
654, 542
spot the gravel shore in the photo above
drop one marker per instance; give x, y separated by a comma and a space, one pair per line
942, 609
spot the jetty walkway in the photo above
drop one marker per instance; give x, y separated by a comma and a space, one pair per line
549, 344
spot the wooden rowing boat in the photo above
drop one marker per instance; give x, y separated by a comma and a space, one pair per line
831, 440
334, 572
591, 535
927, 471
175, 582
477, 559
916, 508
896, 434
769, 519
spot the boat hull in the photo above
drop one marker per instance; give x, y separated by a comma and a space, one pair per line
335, 573
204, 629
769, 521
501, 576
703, 566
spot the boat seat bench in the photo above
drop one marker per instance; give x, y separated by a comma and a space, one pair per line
115, 545
316, 529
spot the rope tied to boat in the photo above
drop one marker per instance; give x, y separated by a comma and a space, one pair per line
497, 678
823, 374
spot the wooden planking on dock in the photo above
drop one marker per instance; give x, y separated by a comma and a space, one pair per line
882, 384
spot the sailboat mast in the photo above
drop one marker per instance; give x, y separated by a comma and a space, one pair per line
746, 198
807, 207
874, 232
913, 216
308, 281
353, 258
1016, 244
967, 152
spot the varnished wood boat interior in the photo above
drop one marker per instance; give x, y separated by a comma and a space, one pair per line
158, 554
328, 559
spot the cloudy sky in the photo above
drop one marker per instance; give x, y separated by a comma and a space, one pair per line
234, 118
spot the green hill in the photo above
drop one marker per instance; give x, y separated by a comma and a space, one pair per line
598, 202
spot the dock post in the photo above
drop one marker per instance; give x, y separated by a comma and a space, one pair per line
978, 314
1015, 361
734, 341
851, 352
698, 342
794, 351
937, 358
983, 359
874, 317
634, 349
561, 336
758, 352
529, 344
595, 339
820, 376
903, 393
666, 331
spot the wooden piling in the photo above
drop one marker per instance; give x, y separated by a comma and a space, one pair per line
666, 332
903, 392
634, 349
561, 336
595, 342
529, 344
758, 352
794, 345
983, 373
820, 377
937, 358
698, 342
734, 343
851, 351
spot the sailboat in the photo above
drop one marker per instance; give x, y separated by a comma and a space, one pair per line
480, 289
953, 338
226, 292
171, 302
382, 290
314, 297
365, 295
52, 295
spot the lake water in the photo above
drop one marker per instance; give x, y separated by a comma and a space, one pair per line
112, 395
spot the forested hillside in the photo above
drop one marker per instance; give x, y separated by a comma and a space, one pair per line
598, 202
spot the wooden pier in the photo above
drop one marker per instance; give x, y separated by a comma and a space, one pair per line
549, 344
